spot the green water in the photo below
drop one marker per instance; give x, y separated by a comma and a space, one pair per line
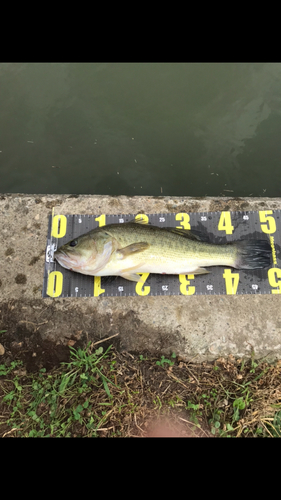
151, 129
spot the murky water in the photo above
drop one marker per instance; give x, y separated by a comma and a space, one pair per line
153, 129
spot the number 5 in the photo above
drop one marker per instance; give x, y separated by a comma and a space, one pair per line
269, 225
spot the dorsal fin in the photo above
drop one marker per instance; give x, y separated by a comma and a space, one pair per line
187, 233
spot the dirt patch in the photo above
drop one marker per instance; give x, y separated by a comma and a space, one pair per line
137, 336
20, 279
26, 339
183, 207
34, 260
53, 203
9, 251
229, 204
39, 333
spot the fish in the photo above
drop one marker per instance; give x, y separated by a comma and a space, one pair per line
126, 249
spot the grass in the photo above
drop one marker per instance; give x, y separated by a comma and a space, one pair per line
107, 393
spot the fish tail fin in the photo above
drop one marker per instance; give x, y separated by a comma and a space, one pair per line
255, 254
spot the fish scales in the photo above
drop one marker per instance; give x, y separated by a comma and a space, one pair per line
167, 247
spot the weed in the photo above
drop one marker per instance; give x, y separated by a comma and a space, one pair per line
142, 358
253, 363
46, 406
164, 360
88, 363
176, 401
107, 393
158, 402
275, 426
5, 370
215, 421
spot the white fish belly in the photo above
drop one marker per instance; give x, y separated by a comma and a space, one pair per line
133, 265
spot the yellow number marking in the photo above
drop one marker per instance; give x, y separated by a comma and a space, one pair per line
272, 275
231, 281
97, 286
142, 218
101, 220
140, 289
269, 224
59, 224
184, 218
185, 289
55, 281
225, 223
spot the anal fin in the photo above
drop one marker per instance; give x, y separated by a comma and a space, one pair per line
129, 274
199, 270
131, 277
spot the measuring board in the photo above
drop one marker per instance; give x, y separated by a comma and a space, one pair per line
218, 227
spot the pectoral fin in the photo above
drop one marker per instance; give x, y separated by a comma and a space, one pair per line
131, 277
200, 270
131, 249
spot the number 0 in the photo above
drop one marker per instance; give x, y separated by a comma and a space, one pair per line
59, 224
55, 282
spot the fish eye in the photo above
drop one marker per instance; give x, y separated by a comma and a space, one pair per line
73, 243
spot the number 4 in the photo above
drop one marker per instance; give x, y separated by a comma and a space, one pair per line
231, 281
225, 223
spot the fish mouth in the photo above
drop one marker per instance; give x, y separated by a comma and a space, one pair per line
60, 252
63, 259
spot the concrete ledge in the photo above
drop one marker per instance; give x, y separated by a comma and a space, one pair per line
198, 327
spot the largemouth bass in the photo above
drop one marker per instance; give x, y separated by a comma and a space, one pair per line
130, 248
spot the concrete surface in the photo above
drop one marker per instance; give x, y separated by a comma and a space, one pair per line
196, 327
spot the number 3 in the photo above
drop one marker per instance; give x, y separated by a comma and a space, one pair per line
184, 218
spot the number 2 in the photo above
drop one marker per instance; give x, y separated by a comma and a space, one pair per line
140, 289
142, 218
